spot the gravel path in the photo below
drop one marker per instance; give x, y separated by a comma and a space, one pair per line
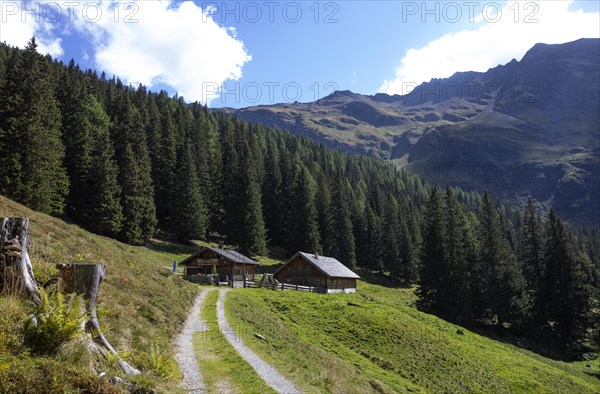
264, 370
184, 349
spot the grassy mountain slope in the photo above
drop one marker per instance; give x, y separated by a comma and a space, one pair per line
373, 341
526, 128
376, 341
140, 304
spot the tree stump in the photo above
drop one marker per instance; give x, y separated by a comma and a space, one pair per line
16, 273
85, 279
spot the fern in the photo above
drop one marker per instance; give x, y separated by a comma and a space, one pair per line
58, 319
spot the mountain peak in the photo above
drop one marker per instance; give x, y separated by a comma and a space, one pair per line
340, 93
584, 47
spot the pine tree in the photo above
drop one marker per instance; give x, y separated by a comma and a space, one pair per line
456, 271
323, 202
191, 215
567, 294
531, 258
232, 204
430, 289
410, 241
98, 207
502, 281
341, 234
302, 227
471, 252
272, 199
135, 179
374, 253
164, 170
32, 152
392, 260
252, 237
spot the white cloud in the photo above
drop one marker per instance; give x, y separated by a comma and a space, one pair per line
492, 43
164, 42
19, 21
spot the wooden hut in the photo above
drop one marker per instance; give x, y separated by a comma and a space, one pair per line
306, 269
228, 264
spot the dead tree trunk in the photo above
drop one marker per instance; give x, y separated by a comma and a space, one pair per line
16, 273
85, 279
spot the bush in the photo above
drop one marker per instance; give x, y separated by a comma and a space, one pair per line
157, 362
58, 319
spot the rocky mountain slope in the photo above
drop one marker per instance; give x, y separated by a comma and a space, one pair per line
528, 127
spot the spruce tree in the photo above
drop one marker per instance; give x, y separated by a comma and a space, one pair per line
374, 252
430, 289
456, 271
252, 234
191, 219
302, 226
164, 170
323, 202
392, 260
230, 187
272, 199
341, 235
32, 152
531, 258
135, 179
98, 205
501, 282
567, 294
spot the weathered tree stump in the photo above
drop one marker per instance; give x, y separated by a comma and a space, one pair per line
85, 279
16, 277
16, 273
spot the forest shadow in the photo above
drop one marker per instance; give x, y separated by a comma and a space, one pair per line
377, 278
171, 247
541, 342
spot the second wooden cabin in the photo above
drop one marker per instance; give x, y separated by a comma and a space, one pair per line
306, 269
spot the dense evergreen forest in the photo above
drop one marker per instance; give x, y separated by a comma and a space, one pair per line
131, 164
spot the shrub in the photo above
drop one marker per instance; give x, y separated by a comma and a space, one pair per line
158, 362
58, 319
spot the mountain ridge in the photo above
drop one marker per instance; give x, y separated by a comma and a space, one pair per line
525, 128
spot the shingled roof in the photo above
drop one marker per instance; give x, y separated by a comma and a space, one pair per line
327, 265
227, 254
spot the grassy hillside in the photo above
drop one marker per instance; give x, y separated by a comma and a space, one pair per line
141, 305
376, 341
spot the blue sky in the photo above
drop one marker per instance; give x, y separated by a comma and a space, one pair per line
247, 53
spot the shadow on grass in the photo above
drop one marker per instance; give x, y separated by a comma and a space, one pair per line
377, 278
542, 342
268, 269
171, 247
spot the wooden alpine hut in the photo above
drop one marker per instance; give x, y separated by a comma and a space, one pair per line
307, 269
228, 264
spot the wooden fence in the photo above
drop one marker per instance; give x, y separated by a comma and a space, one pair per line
284, 286
270, 283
